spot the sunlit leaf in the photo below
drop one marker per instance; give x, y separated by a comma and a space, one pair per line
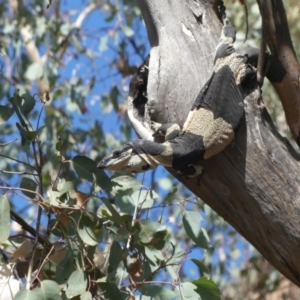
64, 186
4, 218
77, 284
124, 183
186, 291
34, 71
2, 50
144, 198
191, 223
26, 295
157, 292
77, 44
127, 30
49, 290
103, 43
65, 28
86, 296
155, 256
151, 232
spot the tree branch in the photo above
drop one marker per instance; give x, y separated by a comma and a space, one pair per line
287, 83
254, 183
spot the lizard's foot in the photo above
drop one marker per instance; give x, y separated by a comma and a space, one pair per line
168, 130
192, 171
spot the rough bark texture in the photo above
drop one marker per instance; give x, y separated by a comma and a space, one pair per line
255, 183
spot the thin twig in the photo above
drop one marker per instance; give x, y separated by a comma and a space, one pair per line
18, 173
7, 143
9, 188
35, 143
263, 47
26, 226
84, 14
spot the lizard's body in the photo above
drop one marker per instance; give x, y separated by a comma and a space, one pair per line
209, 127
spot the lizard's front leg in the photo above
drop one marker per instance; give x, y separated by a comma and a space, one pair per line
168, 130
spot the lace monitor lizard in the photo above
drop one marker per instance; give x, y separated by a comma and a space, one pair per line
209, 127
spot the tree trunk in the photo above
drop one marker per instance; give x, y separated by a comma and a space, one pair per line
255, 183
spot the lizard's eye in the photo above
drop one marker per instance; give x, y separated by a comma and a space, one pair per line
117, 153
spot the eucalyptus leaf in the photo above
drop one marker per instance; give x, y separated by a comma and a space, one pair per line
5, 113
28, 104
64, 186
88, 232
115, 256
157, 292
86, 296
29, 185
207, 289
49, 290
103, 43
203, 269
127, 30
29, 135
34, 71
77, 284
4, 218
124, 183
170, 195
145, 198
26, 295
115, 216
191, 223
86, 168
61, 128
151, 232
65, 268
186, 291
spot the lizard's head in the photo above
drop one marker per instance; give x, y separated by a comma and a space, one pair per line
125, 159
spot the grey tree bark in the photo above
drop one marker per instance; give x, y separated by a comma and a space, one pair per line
255, 183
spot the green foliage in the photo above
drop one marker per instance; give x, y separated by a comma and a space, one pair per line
26, 295
82, 233
48, 290
191, 222
92, 236
4, 218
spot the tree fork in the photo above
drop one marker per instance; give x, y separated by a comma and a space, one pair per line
255, 183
